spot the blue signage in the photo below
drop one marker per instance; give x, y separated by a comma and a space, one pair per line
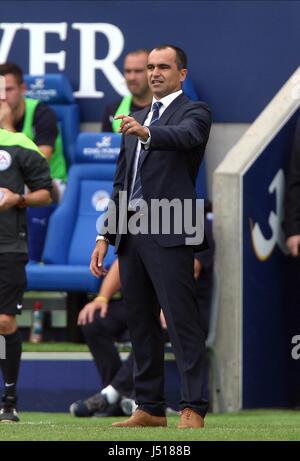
240, 53
271, 376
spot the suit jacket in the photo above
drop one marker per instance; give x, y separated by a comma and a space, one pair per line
170, 166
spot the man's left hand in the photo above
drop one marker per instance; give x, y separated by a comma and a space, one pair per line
163, 320
97, 258
130, 126
197, 268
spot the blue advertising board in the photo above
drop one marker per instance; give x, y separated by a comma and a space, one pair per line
271, 289
240, 53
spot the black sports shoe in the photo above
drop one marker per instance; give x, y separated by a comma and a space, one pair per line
8, 412
96, 404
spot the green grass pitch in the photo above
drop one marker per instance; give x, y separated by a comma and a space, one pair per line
246, 425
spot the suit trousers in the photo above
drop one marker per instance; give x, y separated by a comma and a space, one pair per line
154, 276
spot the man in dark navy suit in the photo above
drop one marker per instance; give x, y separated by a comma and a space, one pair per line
162, 148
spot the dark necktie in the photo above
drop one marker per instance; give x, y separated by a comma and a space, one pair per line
137, 194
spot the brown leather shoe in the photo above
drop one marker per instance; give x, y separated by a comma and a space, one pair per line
189, 419
141, 418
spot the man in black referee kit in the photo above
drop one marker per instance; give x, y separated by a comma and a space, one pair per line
21, 163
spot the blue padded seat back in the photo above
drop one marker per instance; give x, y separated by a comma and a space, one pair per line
68, 121
93, 199
55, 90
37, 223
65, 219
49, 88
97, 147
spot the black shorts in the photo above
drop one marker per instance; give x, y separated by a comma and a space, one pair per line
12, 282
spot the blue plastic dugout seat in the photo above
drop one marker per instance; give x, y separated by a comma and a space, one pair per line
54, 90
72, 227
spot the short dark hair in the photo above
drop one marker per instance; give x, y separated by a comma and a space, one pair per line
138, 51
14, 69
181, 58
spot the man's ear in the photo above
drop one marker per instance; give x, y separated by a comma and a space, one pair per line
183, 74
23, 87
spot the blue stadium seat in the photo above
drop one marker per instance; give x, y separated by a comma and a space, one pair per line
37, 223
72, 227
55, 90
98, 147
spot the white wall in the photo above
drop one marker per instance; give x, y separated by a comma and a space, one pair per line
222, 138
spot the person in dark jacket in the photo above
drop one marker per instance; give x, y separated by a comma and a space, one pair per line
161, 152
292, 198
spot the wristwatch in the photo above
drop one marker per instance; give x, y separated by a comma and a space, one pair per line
101, 237
149, 136
21, 203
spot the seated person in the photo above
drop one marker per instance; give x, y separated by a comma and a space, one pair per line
34, 119
135, 73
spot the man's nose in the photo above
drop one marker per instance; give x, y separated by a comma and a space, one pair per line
156, 72
131, 76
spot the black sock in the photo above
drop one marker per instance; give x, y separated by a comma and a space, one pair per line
10, 366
